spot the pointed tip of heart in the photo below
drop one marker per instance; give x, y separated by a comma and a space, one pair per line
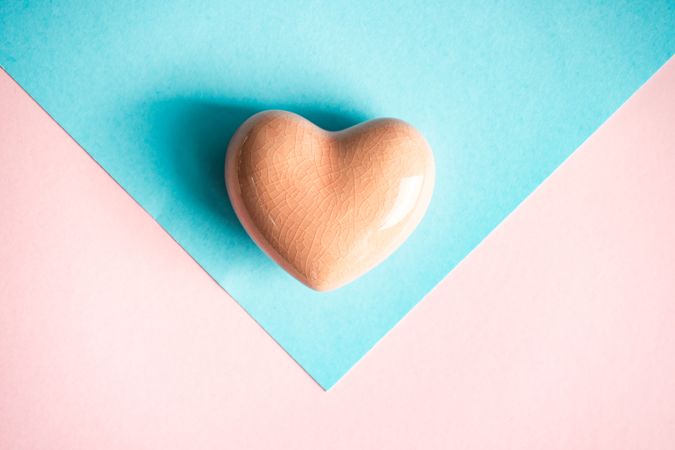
318, 277
322, 286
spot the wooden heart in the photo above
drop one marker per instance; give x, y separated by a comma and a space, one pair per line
328, 206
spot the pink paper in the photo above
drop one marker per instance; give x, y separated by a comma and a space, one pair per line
557, 332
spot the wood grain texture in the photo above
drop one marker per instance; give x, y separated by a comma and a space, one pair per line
328, 206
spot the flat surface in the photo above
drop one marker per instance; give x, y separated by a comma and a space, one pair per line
556, 332
503, 93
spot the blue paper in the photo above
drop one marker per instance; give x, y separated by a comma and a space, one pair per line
504, 93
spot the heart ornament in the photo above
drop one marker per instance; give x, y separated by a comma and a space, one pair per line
328, 206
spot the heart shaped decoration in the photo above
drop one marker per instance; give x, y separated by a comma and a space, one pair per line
328, 206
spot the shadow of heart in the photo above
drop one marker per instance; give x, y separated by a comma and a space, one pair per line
194, 135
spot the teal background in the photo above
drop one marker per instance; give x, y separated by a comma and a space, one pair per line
504, 92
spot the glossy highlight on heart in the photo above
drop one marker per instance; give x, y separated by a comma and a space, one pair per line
328, 206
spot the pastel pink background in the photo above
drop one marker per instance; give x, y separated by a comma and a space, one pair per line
557, 332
